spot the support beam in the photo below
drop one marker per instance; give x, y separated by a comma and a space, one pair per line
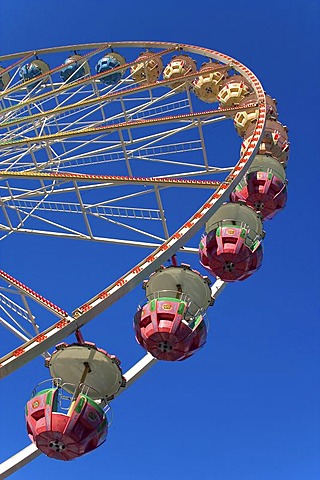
19, 460
110, 180
31, 452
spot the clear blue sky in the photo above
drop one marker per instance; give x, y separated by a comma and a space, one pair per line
247, 406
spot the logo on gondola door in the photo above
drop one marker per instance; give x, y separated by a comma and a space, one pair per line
35, 404
230, 231
92, 416
166, 306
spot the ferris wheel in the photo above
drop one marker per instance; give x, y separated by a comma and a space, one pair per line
106, 143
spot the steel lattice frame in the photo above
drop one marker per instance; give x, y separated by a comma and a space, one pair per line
57, 140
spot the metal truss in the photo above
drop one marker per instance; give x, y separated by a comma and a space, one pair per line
77, 155
31, 452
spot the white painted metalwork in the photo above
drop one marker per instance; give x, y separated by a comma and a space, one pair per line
125, 130
50, 121
31, 452
19, 460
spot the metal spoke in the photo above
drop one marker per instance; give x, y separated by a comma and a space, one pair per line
86, 159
